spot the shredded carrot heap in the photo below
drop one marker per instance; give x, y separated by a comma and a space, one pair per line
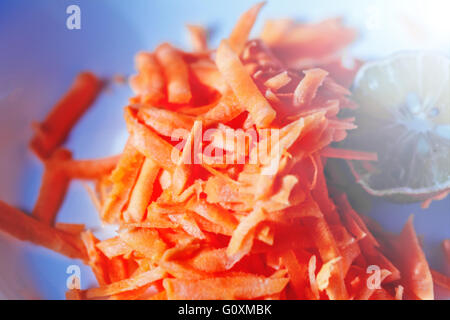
251, 219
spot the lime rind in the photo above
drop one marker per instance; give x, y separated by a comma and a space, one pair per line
426, 192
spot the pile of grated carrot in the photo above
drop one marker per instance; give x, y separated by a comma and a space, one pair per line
257, 226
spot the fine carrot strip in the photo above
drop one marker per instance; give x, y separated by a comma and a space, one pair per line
199, 38
329, 251
126, 284
213, 214
243, 86
191, 150
196, 111
374, 256
301, 32
147, 142
52, 132
102, 187
381, 294
343, 124
208, 226
53, 188
207, 74
325, 272
189, 225
242, 29
307, 88
89, 169
142, 191
211, 260
114, 247
272, 97
239, 287
176, 72
305, 209
97, 261
297, 272
312, 277
142, 293
150, 81
165, 122
25, 228
281, 200
279, 81
158, 296
117, 269
399, 292
342, 236
182, 270
74, 294
124, 178
302, 46
225, 110
330, 152
158, 218
349, 253
94, 196
139, 240
440, 196
175, 260
370, 247
219, 191
351, 214
242, 240
414, 268
275, 29
70, 228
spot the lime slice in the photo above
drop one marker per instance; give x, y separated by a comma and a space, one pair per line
404, 116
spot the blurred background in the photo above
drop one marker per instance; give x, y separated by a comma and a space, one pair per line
40, 57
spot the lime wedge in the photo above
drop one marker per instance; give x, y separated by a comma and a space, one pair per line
404, 116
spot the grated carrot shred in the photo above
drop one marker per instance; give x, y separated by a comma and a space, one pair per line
53, 131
